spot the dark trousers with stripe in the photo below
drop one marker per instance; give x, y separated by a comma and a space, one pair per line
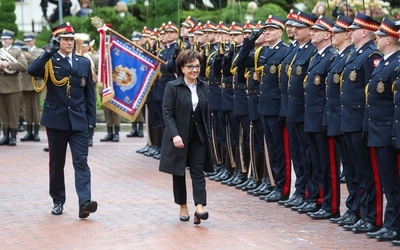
352, 182
324, 171
79, 144
299, 153
366, 169
388, 166
274, 137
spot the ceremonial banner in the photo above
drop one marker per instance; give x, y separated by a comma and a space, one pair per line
127, 74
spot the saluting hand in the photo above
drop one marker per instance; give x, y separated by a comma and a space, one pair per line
178, 142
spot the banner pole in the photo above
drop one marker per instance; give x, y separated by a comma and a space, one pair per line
99, 23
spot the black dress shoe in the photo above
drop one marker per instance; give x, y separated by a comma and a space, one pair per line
396, 243
275, 196
252, 191
263, 192
357, 224
336, 220
291, 198
351, 219
57, 209
302, 205
296, 202
87, 208
311, 207
184, 218
200, 216
377, 233
323, 215
251, 185
366, 227
240, 186
389, 235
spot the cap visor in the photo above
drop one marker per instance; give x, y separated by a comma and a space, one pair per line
337, 30
317, 27
380, 33
300, 25
354, 27
272, 26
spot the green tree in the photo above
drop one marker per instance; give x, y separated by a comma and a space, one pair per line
7, 16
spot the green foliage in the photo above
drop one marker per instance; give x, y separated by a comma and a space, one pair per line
264, 11
7, 16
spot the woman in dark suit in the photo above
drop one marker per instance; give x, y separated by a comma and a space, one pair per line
186, 137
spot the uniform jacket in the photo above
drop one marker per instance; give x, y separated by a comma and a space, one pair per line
214, 81
298, 71
26, 81
380, 106
74, 110
166, 73
177, 113
12, 83
332, 113
314, 90
283, 77
270, 94
250, 94
396, 98
356, 73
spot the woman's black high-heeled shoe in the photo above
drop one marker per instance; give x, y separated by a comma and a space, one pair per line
184, 218
200, 216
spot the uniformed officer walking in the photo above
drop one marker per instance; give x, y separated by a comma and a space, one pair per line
69, 112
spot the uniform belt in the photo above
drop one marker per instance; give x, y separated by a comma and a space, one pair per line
252, 91
216, 83
239, 86
226, 85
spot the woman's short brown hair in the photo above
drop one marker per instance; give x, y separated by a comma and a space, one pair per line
186, 56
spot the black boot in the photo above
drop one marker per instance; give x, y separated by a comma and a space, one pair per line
134, 131
140, 130
21, 124
13, 137
109, 135
28, 136
6, 138
115, 137
36, 133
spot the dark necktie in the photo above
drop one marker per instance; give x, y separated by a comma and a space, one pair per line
69, 61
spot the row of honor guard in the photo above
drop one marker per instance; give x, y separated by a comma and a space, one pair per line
326, 99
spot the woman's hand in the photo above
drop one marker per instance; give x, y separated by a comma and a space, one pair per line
178, 142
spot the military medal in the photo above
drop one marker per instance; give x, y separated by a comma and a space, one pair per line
223, 85
380, 88
336, 78
272, 69
83, 82
353, 76
317, 80
299, 70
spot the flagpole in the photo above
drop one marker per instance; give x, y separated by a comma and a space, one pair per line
99, 23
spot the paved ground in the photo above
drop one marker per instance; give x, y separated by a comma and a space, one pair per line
136, 209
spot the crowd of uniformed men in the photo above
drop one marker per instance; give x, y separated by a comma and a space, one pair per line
325, 100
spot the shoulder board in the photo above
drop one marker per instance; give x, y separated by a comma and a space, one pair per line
375, 53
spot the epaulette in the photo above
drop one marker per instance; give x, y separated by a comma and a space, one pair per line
375, 52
